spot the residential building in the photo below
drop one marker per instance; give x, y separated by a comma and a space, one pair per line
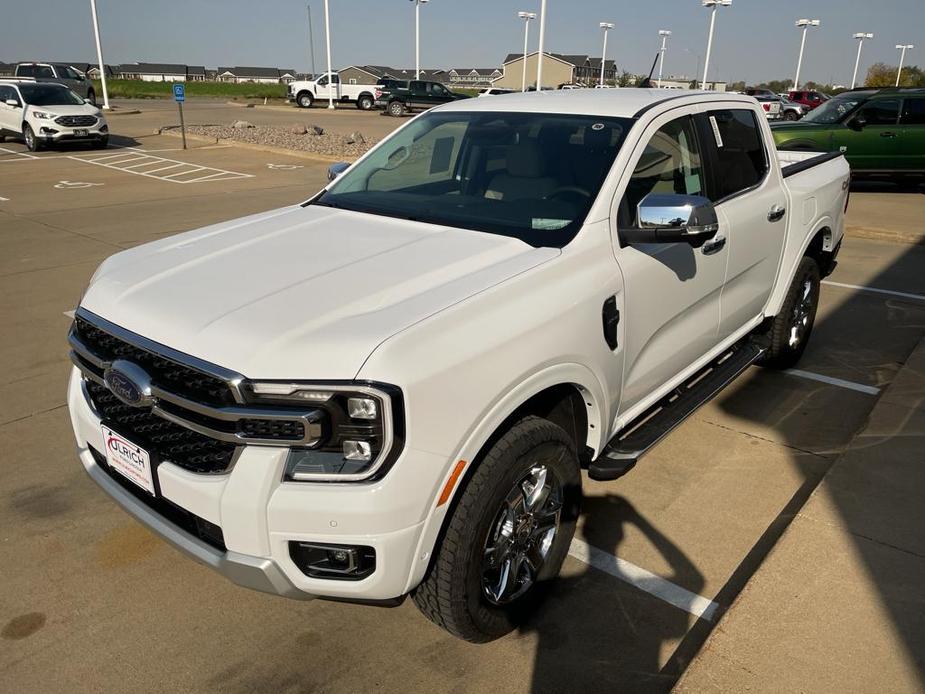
473, 76
6, 69
195, 73
262, 75
366, 74
557, 70
153, 72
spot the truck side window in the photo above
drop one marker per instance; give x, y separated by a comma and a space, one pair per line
741, 160
25, 71
880, 112
43, 71
670, 163
914, 112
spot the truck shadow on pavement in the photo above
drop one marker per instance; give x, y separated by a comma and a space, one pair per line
597, 633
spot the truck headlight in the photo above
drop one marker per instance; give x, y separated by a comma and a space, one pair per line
363, 428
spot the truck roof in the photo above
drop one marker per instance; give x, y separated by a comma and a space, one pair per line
623, 102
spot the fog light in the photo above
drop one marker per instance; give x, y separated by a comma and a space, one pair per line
357, 450
362, 408
338, 562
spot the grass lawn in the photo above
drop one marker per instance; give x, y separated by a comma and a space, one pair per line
138, 89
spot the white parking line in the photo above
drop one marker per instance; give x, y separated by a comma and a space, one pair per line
832, 381
4, 199
137, 163
646, 581
70, 314
889, 292
24, 155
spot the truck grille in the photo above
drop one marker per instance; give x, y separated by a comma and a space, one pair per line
76, 121
164, 439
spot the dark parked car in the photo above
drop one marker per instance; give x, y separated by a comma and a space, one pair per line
414, 95
879, 130
70, 77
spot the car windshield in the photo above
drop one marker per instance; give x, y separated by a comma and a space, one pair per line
49, 95
833, 110
531, 176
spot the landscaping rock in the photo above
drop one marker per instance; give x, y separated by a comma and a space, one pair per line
346, 147
297, 129
316, 130
355, 137
241, 125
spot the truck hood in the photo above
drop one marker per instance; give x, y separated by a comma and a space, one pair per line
301, 292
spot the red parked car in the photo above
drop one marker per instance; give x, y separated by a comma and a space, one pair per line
810, 99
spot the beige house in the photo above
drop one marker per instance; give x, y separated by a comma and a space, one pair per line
556, 70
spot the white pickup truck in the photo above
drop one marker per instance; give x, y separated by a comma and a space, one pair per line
306, 92
393, 388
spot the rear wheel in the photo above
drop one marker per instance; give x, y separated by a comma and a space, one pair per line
792, 326
791, 115
396, 108
33, 144
305, 100
507, 536
365, 102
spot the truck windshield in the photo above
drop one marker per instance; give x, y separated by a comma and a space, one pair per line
49, 95
833, 110
527, 175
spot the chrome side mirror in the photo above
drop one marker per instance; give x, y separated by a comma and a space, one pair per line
336, 169
12, 102
674, 218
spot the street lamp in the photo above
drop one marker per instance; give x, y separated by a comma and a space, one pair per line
526, 16
311, 41
417, 37
539, 57
327, 40
860, 37
902, 59
664, 33
99, 53
606, 26
713, 4
804, 24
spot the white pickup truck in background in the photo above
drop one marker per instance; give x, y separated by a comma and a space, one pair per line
306, 92
394, 387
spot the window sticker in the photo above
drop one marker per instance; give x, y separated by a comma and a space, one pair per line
544, 224
719, 138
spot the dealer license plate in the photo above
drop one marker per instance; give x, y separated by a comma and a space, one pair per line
128, 459
81, 132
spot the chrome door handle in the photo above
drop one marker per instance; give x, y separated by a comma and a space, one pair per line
715, 245
777, 212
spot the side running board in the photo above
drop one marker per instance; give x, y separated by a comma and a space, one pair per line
627, 447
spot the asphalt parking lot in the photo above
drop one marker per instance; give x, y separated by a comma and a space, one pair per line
92, 601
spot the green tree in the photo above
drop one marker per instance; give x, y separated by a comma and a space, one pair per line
627, 79
883, 75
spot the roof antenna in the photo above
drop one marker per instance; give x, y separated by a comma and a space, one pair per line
647, 82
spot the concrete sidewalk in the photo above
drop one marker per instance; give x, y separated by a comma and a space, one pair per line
839, 604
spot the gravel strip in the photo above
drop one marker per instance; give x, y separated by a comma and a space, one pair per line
290, 137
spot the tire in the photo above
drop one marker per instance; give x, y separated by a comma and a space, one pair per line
396, 109
791, 115
305, 99
102, 143
92, 96
792, 326
462, 592
33, 144
365, 102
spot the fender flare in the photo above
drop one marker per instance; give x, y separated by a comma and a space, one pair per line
574, 374
822, 226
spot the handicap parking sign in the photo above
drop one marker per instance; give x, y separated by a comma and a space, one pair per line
179, 92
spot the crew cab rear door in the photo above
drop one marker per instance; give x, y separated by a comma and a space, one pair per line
672, 308
751, 205
912, 125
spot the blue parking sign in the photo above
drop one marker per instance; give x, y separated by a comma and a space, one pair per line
179, 92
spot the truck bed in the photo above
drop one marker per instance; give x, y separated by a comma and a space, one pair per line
792, 162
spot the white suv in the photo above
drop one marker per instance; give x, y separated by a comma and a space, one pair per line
44, 113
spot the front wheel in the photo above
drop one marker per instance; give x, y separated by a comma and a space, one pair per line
792, 326
507, 536
32, 142
305, 100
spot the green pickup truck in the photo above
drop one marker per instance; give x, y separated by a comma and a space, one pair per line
416, 95
879, 130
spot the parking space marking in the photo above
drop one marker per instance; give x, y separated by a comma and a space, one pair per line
2, 199
70, 314
889, 292
24, 155
137, 163
832, 381
646, 581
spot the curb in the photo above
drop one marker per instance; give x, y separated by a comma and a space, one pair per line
130, 112
911, 238
327, 159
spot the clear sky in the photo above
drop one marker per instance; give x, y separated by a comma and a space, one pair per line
755, 39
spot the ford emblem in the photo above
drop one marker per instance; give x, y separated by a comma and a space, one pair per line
130, 383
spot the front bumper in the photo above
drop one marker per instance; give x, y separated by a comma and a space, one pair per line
259, 514
49, 131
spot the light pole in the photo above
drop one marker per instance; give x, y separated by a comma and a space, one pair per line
327, 40
99, 53
311, 41
526, 16
804, 24
713, 4
902, 59
417, 37
606, 26
860, 37
664, 33
539, 57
